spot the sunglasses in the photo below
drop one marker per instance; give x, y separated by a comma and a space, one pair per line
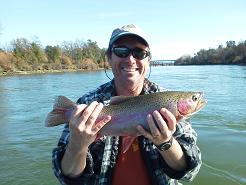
124, 52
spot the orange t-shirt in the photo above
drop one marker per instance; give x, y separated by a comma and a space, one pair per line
130, 168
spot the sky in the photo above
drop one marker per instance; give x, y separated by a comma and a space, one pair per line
174, 27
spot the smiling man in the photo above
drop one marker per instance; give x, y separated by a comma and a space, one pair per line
129, 61
161, 156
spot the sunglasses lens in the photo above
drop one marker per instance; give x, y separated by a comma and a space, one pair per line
139, 53
124, 52
121, 52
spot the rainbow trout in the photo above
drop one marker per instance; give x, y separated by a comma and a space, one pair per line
128, 112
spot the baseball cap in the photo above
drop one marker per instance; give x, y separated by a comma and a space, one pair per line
129, 29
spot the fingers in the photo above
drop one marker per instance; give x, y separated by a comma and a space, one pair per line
101, 123
91, 113
162, 125
78, 109
152, 126
143, 132
73, 121
84, 116
153, 132
160, 122
85, 124
171, 120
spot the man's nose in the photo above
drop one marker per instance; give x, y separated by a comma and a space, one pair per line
130, 58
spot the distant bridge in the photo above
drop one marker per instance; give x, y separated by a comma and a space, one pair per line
162, 62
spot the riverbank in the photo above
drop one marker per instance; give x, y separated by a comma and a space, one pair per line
10, 73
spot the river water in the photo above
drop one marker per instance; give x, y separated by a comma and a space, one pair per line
26, 145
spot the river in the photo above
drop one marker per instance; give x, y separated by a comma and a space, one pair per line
26, 145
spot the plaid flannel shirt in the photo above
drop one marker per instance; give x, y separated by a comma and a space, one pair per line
102, 154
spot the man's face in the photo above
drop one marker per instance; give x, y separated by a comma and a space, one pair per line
129, 70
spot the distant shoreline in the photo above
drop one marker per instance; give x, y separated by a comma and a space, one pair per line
46, 71
10, 73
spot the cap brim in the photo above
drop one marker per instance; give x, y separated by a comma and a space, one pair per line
124, 34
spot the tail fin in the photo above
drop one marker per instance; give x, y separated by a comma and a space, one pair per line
61, 109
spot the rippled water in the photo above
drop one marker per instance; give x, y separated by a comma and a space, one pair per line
26, 145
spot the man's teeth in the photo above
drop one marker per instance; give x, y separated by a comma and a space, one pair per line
130, 69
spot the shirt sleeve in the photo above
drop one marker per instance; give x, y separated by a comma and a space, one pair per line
160, 170
57, 156
187, 137
94, 155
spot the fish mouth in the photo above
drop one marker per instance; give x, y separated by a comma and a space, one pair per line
200, 104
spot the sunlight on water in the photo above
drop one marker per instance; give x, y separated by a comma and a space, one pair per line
26, 145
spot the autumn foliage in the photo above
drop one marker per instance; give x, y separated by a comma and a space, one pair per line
232, 53
26, 56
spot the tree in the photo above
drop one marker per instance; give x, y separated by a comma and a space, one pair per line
230, 44
29, 55
74, 50
183, 60
38, 52
53, 53
92, 51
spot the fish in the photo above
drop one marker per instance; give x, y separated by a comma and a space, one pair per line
128, 112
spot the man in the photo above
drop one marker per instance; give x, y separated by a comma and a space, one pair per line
159, 156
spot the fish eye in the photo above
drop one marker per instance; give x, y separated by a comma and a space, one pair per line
194, 98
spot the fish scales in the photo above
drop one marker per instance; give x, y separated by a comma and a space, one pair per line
128, 112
